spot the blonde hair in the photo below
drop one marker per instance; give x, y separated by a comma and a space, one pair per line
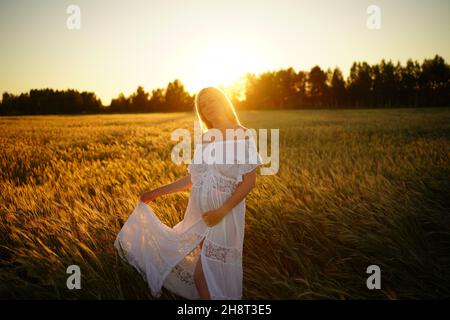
229, 108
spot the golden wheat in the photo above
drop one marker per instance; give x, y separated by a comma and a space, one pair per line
355, 188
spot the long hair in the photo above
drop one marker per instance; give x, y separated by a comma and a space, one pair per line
229, 108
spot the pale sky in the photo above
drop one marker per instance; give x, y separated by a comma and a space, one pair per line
123, 44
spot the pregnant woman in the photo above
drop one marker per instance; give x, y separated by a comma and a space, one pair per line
201, 256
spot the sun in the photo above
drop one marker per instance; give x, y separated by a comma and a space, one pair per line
222, 66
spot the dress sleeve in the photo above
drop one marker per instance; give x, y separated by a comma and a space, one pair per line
252, 161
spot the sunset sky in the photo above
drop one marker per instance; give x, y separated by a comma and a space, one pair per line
123, 44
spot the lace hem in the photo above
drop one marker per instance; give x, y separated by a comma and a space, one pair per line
220, 253
132, 261
183, 275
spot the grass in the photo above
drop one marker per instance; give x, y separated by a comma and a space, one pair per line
354, 188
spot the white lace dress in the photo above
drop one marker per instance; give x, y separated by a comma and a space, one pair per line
167, 256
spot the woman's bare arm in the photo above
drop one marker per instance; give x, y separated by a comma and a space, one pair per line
241, 191
213, 217
179, 185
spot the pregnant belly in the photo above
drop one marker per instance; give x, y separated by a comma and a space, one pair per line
209, 198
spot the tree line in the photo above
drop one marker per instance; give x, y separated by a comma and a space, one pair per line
382, 85
49, 101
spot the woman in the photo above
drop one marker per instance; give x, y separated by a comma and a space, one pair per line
201, 256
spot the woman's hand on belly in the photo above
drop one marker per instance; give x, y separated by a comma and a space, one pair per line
213, 217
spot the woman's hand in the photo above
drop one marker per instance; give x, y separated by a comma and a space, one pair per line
149, 196
213, 217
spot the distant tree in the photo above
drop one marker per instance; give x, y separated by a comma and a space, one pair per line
253, 97
317, 80
176, 98
337, 88
435, 82
267, 91
6, 104
139, 101
301, 80
157, 100
388, 83
119, 105
359, 84
409, 86
288, 88
90, 103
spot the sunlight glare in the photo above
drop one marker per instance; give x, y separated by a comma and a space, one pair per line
221, 66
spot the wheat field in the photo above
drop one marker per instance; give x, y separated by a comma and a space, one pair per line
354, 188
